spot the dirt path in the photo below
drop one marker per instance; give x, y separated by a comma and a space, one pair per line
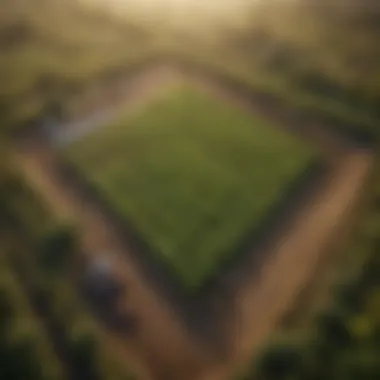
293, 259
163, 344
134, 93
131, 96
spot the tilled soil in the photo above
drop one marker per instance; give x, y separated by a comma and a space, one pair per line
258, 298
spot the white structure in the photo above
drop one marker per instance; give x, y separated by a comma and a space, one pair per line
101, 279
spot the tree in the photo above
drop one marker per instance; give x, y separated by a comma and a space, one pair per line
349, 294
280, 361
84, 350
361, 363
57, 248
333, 329
27, 365
18, 360
6, 313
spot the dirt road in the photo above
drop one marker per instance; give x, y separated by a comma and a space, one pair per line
294, 257
131, 96
163, 344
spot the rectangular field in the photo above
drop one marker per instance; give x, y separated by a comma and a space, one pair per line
193, 175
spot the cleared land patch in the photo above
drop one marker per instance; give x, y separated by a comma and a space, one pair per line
193, 176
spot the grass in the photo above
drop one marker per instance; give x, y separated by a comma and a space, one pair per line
193, 176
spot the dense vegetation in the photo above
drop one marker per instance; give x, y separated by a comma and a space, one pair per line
335, 56
56, 51
25, 347
50, 52
229, 170
46, 330
322, 57
319, 57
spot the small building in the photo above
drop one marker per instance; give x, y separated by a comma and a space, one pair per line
100, 279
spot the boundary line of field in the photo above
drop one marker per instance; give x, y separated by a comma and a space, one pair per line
316, 128
359, 130
159, 273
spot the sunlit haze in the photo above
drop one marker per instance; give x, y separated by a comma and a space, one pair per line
178, 11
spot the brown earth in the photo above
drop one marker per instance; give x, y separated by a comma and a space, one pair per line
163, 345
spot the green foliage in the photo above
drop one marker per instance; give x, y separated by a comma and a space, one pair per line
192, 176
349, 295
332, 328
281, 361
59, 49
18, 362
361, 363
25, 350
6, 309
84, 351
57, 248
313, 60
332, 55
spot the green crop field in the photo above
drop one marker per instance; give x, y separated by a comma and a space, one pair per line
193, 176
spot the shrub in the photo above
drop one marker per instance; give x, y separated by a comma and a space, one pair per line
18, 360
6, 308
332, 327
57, 248
349, 294
280, 361
359, 364
84, 351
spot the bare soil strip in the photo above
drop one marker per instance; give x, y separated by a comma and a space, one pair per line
294, 257
163, 344
162, 341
